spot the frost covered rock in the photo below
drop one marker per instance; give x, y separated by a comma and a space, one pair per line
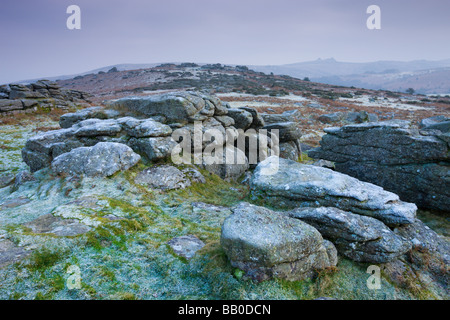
186, 246
143, 135
394, 155
288, 131
175, 106
103, 159
291, 184
267, 244
154, 148
242, 118
69, 119
359, 238
145, 128
231, 170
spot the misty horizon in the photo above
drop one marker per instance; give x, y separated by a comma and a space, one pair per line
106, 67
253, 33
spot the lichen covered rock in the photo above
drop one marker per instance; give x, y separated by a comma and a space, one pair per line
291, 184
267, 244
103, 159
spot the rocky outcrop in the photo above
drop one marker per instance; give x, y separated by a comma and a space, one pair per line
147, 124
144, 135
266, 244
357, 217
43, 94
413, 163
104, 159
360, 238
6, 180
229, 171
291, 184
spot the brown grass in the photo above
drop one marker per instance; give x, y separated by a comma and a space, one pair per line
45, 129
23, 118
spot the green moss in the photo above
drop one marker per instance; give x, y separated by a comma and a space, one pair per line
105, 236
44, 258
88, 289
305, 159
16, 295
126, 296
107, 273
214, 191
56, 283
40, 296
238, 274
411, 282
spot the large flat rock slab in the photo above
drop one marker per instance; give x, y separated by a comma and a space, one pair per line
291, 184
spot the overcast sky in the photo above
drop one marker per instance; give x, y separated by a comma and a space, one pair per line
35, 41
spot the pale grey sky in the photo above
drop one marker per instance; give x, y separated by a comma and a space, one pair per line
36, 43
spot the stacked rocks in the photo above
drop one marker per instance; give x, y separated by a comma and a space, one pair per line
154, 125
43, 149
286, 123
182, 111
43, 93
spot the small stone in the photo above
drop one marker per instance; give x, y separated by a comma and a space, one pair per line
186, 246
